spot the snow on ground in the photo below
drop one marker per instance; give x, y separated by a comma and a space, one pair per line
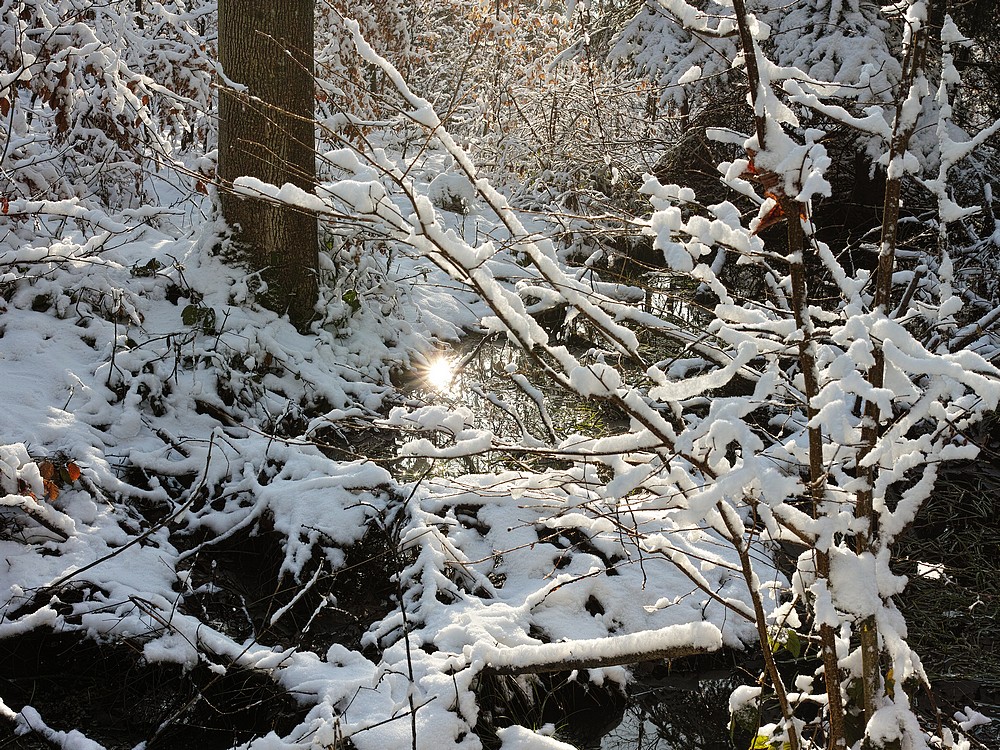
136, 358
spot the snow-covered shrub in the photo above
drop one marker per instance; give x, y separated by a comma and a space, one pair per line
346, 87
94, 101
794, 418
857, 51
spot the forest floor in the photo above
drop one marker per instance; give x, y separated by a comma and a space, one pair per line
116, 698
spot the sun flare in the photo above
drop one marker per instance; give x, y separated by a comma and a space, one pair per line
440, 374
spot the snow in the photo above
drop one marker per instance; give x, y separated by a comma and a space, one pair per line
743, 697
854, 582
288, 194
521, 738
931, 571
970, 718
703, 637
693, 74
28, 720
509, 549
594, 380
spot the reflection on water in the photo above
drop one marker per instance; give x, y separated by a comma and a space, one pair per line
664, 710
495, 366
671, 297
439, 374
510, 395
680, 712
507, 393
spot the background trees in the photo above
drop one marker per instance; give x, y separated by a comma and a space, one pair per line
95, 98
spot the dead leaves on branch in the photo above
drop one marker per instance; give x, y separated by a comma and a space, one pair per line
30, 485
55, 475
771, 182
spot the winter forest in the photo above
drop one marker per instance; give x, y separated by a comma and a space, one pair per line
499, 375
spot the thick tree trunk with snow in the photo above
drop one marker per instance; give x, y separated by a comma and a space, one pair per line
266, 131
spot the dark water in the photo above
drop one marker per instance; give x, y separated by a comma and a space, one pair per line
686, 711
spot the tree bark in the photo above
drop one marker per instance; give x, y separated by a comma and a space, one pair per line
797, 248
266, 131
873, 426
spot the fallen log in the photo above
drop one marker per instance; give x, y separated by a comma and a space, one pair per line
673, 642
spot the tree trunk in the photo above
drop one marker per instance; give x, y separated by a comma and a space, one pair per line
266, 131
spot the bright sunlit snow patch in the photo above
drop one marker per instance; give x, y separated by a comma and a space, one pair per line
934, 571
970, 718
522, 738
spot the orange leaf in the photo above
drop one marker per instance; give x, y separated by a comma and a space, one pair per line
772, 217
73, 470
51, 489
47, 470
